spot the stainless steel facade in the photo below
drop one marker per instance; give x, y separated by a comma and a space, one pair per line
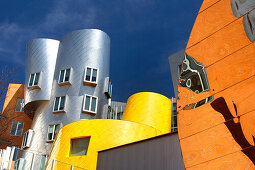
75, 50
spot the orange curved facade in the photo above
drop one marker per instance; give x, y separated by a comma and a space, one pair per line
216, 116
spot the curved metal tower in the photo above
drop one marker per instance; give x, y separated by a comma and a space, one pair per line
66, 81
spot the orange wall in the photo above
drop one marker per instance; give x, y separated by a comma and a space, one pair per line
14, 91
219, 135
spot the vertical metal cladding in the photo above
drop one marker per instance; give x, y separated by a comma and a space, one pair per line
76, 50
41, 57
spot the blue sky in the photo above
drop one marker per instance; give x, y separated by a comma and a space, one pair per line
143, 34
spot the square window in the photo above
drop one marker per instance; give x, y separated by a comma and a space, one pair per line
19, 105
79, 147
90, 76
90, 104
16, 128
59, 104
52, 131
64, 77
33, 82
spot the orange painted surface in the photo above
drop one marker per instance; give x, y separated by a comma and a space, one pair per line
14, 92
219, 134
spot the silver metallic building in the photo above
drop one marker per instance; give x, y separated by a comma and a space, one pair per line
66, 81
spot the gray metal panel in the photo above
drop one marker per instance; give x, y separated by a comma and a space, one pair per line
175, 60
159, 153
41, 57
78, 49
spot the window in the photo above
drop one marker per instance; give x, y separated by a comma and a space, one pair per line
16, 128
19, 105
108, 87
27, 138
90, 77
79, 146
34, 80
174, 118
52, 131
64, 77
90, 104
59, 104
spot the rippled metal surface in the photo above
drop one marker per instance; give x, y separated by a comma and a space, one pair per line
78, 49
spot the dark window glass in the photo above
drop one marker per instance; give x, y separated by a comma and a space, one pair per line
25, 139
13, 128
31, 79
94, 75
93, 104
37, 75
87, 103
57, 127
56, 104
67, 75
62, 103
61, 78
88, 73
50, 132
80, 146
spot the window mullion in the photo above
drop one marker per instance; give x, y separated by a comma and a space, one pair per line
16, 130
64, 78
34, 79
59, 101
53, 132
90, 99
91, 73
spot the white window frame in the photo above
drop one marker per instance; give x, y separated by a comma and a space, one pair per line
60, 97
90, 103
16, 130
53, 134
90, 81
34, 79
29, 135
65, 82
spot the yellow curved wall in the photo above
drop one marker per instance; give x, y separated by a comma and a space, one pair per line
104, 133
148, 108
146, 115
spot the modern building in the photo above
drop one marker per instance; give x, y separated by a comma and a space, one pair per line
65, 81
115, 110
13, 121
146, 115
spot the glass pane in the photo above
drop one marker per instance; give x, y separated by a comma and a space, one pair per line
56, 104
57, 127
22, 105
13, 128
79, 146
24, 139
50, 132
61, 78
20, 128
62, 103
94, 75
42, 164
36, 79
18, 105
87, 103
31, 80
67, 75
93, 104
88, 72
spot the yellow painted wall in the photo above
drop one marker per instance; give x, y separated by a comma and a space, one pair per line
146, 115
148, 108
104, 133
